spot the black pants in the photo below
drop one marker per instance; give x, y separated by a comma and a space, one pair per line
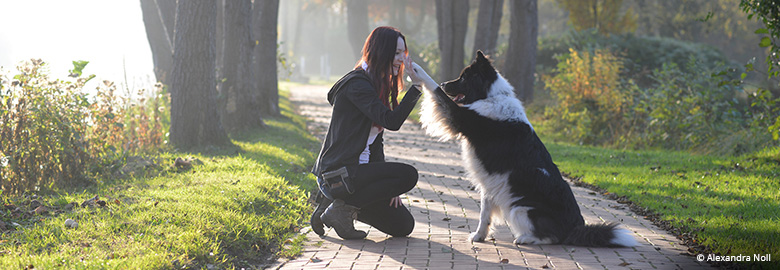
376, 183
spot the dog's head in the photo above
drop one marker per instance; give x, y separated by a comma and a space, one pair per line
474, 82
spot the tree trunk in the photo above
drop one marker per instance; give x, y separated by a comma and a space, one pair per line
452, 18
240, 108
521, 54
159, 18
488, 22
357, 25
220, 61
264, 33
194, 119
398, 14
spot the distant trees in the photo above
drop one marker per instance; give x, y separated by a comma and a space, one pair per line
603, 15
357, 25
158, 16
244, 52
264, 35
194, 118
488, 23
520, 64
239, 103
452, 17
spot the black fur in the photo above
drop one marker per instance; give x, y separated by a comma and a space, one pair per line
511, 145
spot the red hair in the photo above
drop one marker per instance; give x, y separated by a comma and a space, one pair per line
379, 53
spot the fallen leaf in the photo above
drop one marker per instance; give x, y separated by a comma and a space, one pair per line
90, 201
446, 219
40, 210
315, 260
624, 264
505, 261
545, 266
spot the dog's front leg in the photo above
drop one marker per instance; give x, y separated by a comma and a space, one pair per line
485, 213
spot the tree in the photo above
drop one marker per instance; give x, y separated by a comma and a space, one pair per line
603, 15
452, 18
158, 16
521, 53
264, 34
768, 12
488, 22
357, 25
194, 119
239, 99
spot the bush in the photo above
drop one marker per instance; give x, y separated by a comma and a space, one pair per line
592, 100
640, 55
690, 110
52, 134
693, 107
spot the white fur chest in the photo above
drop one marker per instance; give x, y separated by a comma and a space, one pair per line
493, 185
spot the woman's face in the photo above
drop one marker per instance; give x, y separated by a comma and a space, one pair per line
399, 55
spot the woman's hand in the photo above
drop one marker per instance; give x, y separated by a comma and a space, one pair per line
418, 75
396, 202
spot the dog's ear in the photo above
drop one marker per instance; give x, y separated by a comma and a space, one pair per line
480, 56
482, 61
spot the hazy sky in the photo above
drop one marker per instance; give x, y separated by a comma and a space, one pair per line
102, 32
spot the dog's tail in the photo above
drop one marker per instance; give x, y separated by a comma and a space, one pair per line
600, 235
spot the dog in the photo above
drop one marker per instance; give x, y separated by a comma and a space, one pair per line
505, 159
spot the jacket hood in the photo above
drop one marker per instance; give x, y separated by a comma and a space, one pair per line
356, 73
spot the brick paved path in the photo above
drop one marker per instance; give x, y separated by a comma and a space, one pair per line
446, 210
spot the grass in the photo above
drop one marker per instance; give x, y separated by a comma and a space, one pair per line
238, 207
729, 205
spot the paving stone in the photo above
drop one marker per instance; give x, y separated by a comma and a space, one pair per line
446, 211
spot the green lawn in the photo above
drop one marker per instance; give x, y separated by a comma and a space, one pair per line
235, 209
731, 205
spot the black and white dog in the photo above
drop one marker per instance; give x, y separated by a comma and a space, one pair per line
516, 177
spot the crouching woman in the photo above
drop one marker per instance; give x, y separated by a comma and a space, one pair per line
353, 176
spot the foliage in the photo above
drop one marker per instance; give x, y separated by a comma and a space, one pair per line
52, 133
729, 204
694, 107
603, 15
237, 209
768, 12
640, 55
592, 100
765, 112
429, 56
42, 130
689, 110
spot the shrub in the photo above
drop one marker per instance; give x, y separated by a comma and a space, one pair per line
689, 110
592, 100
51, 134
640, 55
42, 130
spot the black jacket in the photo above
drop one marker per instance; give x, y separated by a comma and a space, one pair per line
356, 106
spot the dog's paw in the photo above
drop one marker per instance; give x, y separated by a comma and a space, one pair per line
476, 237
527, 240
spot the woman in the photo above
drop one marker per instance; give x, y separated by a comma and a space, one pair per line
364, 105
